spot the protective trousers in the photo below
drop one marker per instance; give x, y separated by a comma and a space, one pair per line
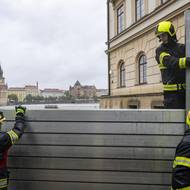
4, 179
174, 100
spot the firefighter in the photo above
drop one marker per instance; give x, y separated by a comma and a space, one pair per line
7, 139
181, 164
172, 62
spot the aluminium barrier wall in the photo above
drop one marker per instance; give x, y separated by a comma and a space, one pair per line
96, 150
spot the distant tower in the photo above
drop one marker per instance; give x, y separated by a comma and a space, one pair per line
2, 79
77, 83
3, 89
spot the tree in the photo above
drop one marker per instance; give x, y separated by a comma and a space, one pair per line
12, 98
37, 99
67, 94
28, 99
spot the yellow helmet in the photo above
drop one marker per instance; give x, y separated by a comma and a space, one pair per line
165, 27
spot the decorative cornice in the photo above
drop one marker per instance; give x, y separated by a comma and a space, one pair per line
133, 95
150, 27
111, 1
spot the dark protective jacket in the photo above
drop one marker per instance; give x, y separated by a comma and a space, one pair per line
172, 63
7, 139
181, 165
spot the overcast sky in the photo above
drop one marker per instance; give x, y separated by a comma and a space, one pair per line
54, 42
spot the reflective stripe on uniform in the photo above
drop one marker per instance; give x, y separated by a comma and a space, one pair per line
162, 55
182, 161
188, 121
19, 110
161, 66
14, 137
184, 188
2, 120
3, 183
170, 87
183, 85
173, 87
182, 63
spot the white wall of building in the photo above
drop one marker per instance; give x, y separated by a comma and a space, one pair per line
129, 20
151, 5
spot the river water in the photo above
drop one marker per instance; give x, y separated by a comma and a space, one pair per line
59, 106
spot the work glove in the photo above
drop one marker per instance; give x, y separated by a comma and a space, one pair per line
2, 117
20, 111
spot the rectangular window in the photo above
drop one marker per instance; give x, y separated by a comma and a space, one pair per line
120, 19
140, 11
142, 69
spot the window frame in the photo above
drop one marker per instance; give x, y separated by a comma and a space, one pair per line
120, 18
141, 9
122, 75
142, 65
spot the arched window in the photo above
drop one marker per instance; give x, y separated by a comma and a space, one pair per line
142, 69
122, 74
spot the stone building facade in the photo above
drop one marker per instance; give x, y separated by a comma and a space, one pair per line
22, 92
134, 79
52, 92
79, 91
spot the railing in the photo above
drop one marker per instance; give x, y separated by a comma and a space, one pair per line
95, 150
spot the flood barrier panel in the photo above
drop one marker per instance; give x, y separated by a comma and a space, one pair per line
95, 149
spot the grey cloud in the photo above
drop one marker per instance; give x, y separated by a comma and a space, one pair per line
54, 42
